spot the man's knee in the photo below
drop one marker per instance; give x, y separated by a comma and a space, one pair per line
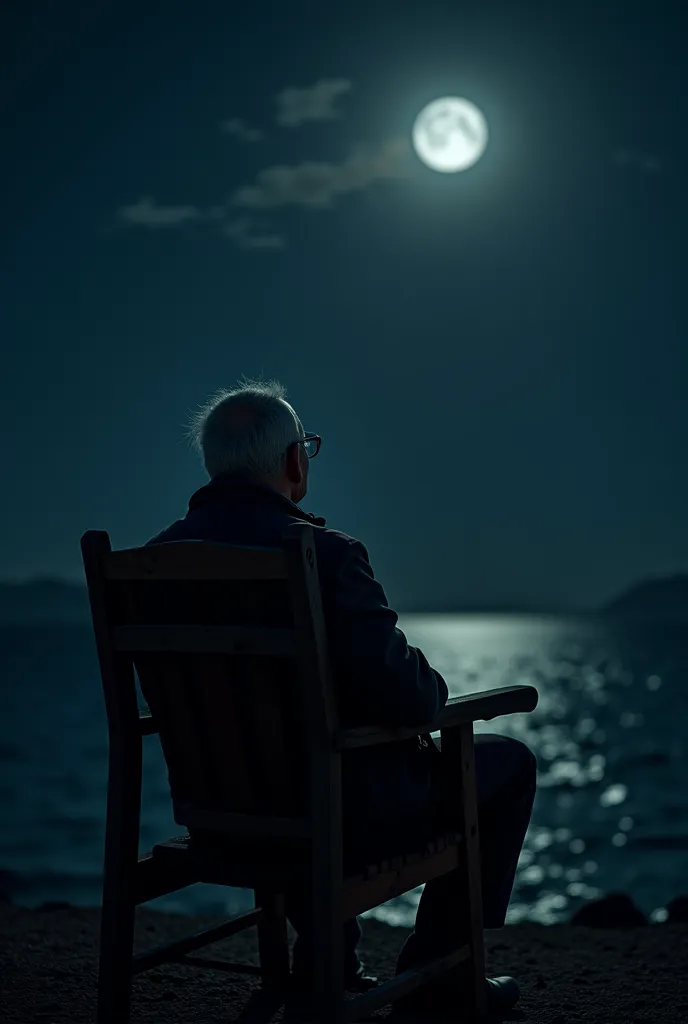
526, 760
504, 763
518, 755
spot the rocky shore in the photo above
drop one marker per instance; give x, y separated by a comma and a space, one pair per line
608, 966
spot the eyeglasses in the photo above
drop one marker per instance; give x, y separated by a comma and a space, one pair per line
311, 444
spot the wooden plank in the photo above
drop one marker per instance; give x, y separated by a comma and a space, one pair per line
325, 770
217, 965
314, 663
471, 707
263, 641
232, 824
238, 874
195, 561
362, 1006
266, 740
458, 757
361, 894
168, 686
226, 735
197, 940
123, 799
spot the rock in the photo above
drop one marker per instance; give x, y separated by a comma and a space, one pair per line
617, 910
678, 910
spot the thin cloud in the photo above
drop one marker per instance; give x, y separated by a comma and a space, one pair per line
147, 213
240, 233
296, 106
319, 184
240, 130
636, 160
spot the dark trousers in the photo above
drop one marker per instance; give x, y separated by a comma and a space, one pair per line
505, 781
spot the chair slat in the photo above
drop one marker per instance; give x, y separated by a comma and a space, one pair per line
228, 823
226, 740
272, 642
218, 965
194, 561
168, 951
267, 753
167, 689
362, 893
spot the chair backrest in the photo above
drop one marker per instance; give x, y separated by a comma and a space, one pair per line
230, 650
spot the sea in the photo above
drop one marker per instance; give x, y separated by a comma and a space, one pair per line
609, 734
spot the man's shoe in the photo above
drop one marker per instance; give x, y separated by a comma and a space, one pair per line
502, 995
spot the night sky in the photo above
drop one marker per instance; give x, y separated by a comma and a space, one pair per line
496, 359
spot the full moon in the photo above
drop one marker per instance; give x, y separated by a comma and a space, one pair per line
450, 134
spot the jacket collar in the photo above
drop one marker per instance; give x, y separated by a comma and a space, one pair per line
230, 487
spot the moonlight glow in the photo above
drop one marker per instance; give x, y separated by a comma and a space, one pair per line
450, 134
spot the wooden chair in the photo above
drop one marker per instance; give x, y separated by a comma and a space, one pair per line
230, 649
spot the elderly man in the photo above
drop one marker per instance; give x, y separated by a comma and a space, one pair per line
257, 455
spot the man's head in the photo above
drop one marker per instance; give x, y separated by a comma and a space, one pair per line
254, 432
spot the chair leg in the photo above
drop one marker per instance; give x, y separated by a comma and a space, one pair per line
120, 867
328, 958
115, 960
273, 944
477, 1008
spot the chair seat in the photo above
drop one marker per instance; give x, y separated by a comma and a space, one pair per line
223, 861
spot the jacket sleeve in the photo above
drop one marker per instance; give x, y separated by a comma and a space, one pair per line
380, 679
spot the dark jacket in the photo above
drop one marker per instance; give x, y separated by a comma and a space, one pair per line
379, 679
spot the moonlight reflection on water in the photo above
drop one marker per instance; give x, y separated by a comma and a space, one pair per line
608, 749
609, 735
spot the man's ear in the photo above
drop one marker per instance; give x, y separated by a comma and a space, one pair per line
292, 467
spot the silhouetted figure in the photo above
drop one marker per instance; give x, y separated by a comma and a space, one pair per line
257, 455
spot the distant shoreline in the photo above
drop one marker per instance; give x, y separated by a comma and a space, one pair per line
73, 618
58, 601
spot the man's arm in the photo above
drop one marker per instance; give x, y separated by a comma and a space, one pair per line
380, 678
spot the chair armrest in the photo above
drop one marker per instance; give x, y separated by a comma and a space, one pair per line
471, 707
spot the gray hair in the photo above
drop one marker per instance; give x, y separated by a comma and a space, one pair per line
246, 430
